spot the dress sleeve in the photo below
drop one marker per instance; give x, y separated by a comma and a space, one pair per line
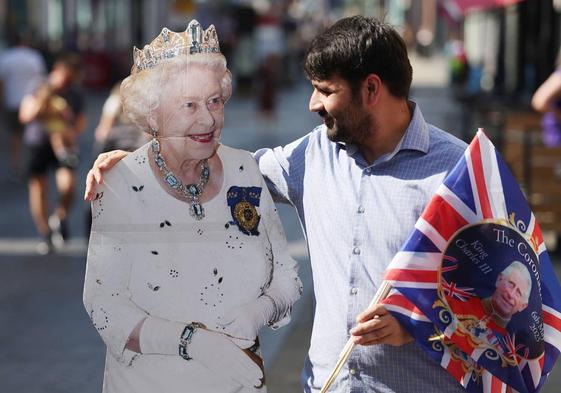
283, 170
107, 298
284, 287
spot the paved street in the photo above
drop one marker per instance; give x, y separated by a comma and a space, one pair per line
47, 343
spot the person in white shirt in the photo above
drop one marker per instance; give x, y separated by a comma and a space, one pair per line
21, 67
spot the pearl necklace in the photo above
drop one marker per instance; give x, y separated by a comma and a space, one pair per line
190, 191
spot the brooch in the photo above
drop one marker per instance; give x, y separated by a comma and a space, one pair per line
243, 202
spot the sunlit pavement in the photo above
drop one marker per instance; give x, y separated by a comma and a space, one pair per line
47, 342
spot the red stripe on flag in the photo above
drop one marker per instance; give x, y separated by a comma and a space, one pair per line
551, 320
409, 275
496, 385
537, 234
401, 301
455, 368
463, 342
443, 217
478, 173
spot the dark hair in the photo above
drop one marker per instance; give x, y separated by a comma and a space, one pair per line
70, 60
357, 46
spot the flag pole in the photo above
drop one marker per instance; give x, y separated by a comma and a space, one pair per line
380, 295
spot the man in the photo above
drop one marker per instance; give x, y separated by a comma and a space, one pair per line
20, 67
54, 118
359, 182
512, 291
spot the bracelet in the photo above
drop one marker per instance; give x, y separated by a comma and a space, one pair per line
275, 316
186, 337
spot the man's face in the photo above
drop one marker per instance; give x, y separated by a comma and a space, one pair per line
343, 113
509, 296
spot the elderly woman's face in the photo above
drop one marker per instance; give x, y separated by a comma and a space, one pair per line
192, 111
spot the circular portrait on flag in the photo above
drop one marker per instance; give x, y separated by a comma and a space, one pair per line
490, 281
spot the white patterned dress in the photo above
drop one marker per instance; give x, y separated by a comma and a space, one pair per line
148, 257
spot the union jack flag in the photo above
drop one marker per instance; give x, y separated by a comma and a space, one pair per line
460, 293
482, 356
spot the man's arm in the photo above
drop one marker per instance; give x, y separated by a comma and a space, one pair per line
283, 169
547, 93
33, 105
80, 124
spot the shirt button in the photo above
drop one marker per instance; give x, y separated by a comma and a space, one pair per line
367, 171
356, 250
360, 209
352, 371
354, 290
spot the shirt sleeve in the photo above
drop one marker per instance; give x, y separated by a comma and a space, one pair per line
284, 286
107, 298
283, 169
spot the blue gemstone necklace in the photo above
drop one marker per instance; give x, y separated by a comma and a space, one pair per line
190, 191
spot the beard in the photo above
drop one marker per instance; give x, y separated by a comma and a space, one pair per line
351, 125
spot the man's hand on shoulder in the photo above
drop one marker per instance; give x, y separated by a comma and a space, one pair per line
104, 162
376, 325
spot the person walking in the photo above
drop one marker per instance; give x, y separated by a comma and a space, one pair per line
547, 100
21, 67
53, 117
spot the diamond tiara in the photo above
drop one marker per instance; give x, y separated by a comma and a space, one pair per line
169, 44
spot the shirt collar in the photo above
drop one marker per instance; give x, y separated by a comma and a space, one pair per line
416, 137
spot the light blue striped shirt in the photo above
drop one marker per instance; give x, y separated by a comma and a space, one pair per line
356, 217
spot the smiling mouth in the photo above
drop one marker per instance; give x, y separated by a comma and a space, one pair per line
202, 138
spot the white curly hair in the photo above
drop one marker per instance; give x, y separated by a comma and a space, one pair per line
141, 91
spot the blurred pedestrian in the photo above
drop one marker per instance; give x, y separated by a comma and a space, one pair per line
547, 100
115, 131
243, 61
20, 68
270, 48
54, 118
457, 64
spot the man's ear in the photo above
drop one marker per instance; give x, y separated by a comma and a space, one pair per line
373, 83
